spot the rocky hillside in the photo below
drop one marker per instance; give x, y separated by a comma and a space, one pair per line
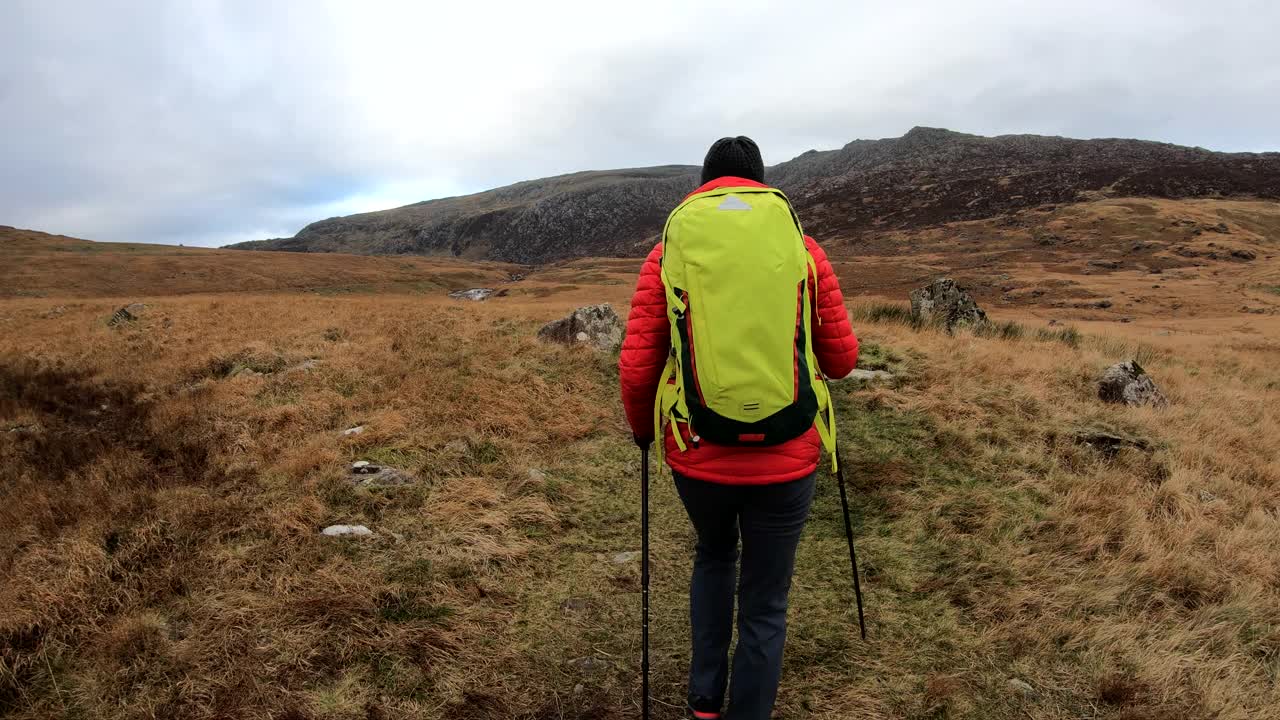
927, 177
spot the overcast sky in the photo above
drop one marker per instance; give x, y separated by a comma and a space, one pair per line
213, 122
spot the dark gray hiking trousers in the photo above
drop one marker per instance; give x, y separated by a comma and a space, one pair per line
769, 519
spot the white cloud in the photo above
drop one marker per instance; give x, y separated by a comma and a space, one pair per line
212, 121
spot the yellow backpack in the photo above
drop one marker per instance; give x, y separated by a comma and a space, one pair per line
742, 369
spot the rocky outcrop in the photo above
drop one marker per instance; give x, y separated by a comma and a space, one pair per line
476, 294
1129, 384
596, 326
927, 177
945, 304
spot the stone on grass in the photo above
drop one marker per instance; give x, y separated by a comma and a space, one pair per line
590, 665
367, 474
474, 294
869, 375
946, 304
1110, 442
354, 431
1023, 688
128, 313
622, 558
596, 326
347, 531
575, 605
1128, 383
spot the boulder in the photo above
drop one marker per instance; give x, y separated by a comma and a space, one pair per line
596, 326
1128, 383
945, 303
128, 313
475, 294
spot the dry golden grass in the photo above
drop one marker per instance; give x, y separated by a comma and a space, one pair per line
162, 505
42, 265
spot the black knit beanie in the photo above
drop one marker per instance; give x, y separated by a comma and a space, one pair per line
733, 156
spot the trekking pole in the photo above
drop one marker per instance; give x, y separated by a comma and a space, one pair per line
644, 580
848, 533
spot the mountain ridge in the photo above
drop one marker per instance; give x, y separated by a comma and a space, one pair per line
928, 176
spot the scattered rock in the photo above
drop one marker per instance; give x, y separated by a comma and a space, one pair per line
1156, 271
1253, 310
1219, 228
303, 366
354, 431
128, 313
945, 303
1128, 383
369, 475
1242, 254
474, 294
594, 325
1107, 264
1102, 304
869, 375
590, 665
622, 558
347, 531
537, 475
1109, 442
1023, 688
1054, 322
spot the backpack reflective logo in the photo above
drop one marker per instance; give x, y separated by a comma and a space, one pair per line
733, 203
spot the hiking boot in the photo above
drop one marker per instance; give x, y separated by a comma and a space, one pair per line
701, 708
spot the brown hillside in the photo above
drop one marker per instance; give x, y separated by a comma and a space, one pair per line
927, 178
38, 265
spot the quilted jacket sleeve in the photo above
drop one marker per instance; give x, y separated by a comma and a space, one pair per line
833, 340
645, 347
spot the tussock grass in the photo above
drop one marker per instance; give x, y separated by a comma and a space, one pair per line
162, 555
898, 313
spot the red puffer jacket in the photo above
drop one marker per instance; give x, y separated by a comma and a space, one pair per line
648, 343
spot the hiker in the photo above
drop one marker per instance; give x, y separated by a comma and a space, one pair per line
737, 248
